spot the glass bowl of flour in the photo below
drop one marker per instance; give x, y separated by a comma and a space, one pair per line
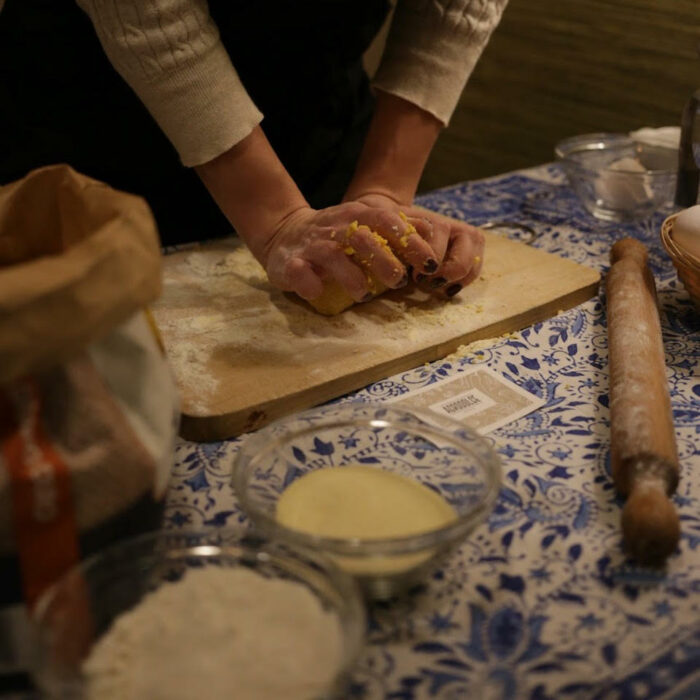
617, 177
386, 493
184, 616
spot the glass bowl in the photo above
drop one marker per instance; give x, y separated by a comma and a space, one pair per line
617, 178
75, 613
446, 457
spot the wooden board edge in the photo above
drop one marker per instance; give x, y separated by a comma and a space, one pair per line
230, 425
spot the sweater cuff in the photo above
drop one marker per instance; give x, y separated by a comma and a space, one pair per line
428, 59
203, 112
171, 55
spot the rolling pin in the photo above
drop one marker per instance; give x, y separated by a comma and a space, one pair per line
644, 458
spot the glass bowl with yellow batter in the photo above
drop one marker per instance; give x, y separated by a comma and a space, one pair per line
387, 493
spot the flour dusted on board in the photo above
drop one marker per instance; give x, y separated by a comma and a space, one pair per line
235, 342
218, 633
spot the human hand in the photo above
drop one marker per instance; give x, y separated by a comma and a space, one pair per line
309, 248
457, 246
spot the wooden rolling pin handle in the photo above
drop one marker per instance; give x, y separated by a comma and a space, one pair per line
644, 459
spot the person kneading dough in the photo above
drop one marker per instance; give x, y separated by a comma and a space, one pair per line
258, 118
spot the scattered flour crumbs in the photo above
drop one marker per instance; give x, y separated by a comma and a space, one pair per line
477, 347
197, 334
218, 633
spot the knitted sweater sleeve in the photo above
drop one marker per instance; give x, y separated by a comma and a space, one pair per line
170, 53
432, 48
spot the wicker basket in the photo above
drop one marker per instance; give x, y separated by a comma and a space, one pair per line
687, 266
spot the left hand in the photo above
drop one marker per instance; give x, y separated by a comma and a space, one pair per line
457, 246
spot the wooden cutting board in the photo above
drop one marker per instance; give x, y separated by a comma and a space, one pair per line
245, 353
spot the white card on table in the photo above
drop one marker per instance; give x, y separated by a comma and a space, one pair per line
478, 397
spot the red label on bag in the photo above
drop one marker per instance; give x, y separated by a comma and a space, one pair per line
42, 504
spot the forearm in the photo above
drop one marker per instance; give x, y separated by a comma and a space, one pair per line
253, 189
400, 139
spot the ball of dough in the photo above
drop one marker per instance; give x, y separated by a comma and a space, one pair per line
334, 298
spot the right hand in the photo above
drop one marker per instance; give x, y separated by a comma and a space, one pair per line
311, 246
457, 245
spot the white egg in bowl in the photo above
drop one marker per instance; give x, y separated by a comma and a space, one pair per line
686, 231
680, 235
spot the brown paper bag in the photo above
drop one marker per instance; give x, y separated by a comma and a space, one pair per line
76, 258
88, 406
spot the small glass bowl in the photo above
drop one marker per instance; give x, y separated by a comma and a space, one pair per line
442, 454
76, 611
617, 178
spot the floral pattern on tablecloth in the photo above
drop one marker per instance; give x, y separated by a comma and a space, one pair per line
540, 603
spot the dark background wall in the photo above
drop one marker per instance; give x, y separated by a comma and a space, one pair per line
557, 68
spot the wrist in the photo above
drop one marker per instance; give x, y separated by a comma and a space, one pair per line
377, 197
398, 144
253, 190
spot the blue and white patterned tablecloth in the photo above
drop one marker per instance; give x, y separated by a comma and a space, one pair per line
541, 602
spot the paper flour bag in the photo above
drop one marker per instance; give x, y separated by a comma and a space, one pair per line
88, 407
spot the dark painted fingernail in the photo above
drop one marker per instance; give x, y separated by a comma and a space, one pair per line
453, 289
368, 297
420, 277
402, 283
437, 282
430, 265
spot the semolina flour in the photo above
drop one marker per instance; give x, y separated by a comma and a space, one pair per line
218, 633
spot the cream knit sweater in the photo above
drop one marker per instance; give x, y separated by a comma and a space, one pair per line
170, 54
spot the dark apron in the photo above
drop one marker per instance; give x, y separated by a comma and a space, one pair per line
301, 61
